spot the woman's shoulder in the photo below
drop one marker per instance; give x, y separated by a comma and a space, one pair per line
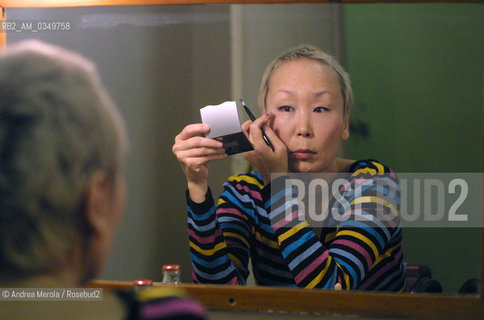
161, 303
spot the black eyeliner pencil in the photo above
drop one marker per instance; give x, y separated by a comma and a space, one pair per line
252, 118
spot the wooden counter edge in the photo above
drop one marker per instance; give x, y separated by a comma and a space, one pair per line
356, 303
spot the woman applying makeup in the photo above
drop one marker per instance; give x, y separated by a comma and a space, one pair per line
305, 98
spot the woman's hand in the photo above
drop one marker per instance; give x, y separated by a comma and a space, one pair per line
264, 159
194, 152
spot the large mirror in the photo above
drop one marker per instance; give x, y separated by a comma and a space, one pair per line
417, 76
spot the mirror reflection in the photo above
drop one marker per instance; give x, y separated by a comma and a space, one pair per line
416, 73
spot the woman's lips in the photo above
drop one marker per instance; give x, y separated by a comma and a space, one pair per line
303, 154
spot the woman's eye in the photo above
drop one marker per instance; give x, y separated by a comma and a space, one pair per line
285, 108
321, 109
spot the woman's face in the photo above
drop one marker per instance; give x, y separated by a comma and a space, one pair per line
305, 97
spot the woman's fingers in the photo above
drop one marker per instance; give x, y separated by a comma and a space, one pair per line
194, 151
195, 162
201, 152
253, 129
197, 142
262, 121
192, 130
194, 133
192, 137
246, 129
273, 138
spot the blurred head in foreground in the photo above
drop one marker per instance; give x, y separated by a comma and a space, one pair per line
62, 144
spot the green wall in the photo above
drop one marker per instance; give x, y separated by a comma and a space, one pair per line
417, 73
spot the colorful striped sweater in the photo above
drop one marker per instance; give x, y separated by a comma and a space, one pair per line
161, 303
250, 222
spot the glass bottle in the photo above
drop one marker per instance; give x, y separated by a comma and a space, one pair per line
171, 273
142, 284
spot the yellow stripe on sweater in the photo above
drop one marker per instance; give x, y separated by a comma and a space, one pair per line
380, 168
235, 259
364, 170
346, 277
378, 200
386, 254
157, 293
271, 243
236, 236
208, 252
320, 276
360, 237
247, 179
292, 231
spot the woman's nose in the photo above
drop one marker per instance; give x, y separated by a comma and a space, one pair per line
304, 131
304, 128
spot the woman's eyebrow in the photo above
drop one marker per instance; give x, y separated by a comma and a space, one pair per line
284, 91
322, 92
316, 94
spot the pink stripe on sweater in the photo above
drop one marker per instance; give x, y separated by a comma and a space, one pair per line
392, 174
376, 276
232, 281
204, 240
399, 254
310, 268
172, 308
231, 211
253, 193
285, 220
381, 271
357, 247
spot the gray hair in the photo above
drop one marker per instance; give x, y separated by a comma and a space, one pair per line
313, 53
58, 126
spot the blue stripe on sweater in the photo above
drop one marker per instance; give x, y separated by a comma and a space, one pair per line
204, 228
349, 270
210, 263
200, 217
296, 244
351, 257
300, 258
370, 230
213, 276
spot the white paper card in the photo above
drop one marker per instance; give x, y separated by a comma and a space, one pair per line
223, 119
224, 123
